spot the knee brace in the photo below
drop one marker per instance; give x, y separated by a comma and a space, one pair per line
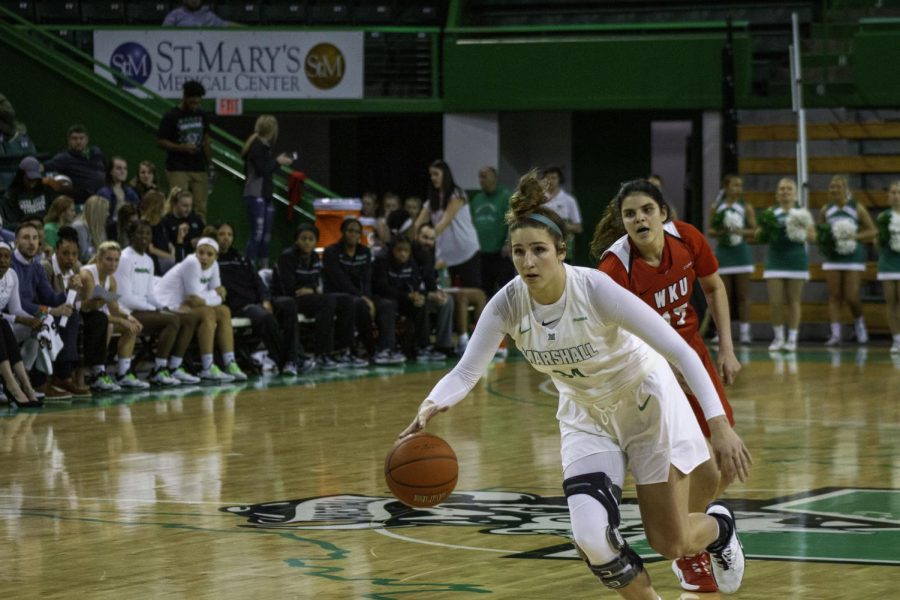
623, 569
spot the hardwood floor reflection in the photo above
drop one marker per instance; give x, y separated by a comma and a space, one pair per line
276, 490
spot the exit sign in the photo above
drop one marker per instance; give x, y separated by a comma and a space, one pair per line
229, 106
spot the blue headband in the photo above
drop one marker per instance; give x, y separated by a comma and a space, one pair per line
544, 220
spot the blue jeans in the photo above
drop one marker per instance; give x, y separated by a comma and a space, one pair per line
260, 212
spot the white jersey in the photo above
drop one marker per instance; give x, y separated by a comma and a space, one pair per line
606, 342
188, 278
566, 206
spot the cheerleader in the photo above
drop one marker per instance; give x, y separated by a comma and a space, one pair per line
889, 262
843, 228
732, 223
785, 228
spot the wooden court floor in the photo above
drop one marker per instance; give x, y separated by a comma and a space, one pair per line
274, 489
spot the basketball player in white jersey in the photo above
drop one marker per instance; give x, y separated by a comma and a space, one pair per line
619, 403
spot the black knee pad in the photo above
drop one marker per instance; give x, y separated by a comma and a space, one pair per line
622, 570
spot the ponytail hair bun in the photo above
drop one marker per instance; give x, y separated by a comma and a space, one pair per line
528, 197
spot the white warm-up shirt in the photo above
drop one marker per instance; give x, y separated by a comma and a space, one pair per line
188, 278
565, 206
10, 302
459, 241
134, 282
605, 341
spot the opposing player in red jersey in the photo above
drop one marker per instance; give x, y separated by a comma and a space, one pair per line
659, 259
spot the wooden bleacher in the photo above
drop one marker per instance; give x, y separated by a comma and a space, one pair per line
820, 131
821, 164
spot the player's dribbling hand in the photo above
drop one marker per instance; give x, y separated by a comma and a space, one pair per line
426, 410
732, 455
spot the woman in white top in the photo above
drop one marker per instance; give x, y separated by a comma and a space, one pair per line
15, 377
619, 402
456, 243
99, 292
193, 286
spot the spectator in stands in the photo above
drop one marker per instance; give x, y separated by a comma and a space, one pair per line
171, 331
489, 208
457, 241
15, 377
889, 262
390, 203
183, 226
348, 270
844, 264
60, 267
194, 286
80, 162
145, 180
413, 205
193, 13
128, 216
563, 204
27, 196
732, 222
14, 142
787, 266
396, 276
91, 226
400, 223
40, 300
99, 282
61, 214
184, 134
272, 316
259, 166
656, 180
298, 275
116, 190
161, 249
439, 303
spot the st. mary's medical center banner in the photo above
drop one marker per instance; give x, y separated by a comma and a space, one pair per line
237, 64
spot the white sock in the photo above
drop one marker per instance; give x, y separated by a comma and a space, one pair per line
98, 369
160, 363
779, 333
206, 360
860, 322
792, 335
124, 365
228, 357
745, 329
897, 338
836, 330
175, 362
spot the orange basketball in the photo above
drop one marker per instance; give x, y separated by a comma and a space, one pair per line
421, 470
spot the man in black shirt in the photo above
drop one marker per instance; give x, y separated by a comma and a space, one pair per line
82, 163
183, 226
438, 303
348, 270
184, 135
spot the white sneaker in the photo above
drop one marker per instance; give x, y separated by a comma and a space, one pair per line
833, 341
862, 336
715, 340
745, 339
462, 343
234, 370
895, 349
383, 357
727, 562
790, 346
214, 373
776, 345
162, 377
131, 382
104, 383
183, 376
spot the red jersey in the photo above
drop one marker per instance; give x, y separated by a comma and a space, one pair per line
667, 287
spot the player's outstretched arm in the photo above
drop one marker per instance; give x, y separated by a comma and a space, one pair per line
426, 410
732, 455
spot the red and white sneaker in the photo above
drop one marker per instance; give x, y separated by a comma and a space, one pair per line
695, 573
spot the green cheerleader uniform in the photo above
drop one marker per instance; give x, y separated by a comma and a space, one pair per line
856, 260
737, 258
888, 262
786, 259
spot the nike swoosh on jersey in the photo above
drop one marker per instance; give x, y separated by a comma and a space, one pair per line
548, 322
641, 407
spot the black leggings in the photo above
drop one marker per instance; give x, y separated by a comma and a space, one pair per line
9, 347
